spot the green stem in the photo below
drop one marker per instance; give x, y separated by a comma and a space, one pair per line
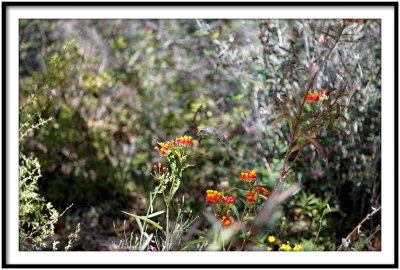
167, 236
319, 229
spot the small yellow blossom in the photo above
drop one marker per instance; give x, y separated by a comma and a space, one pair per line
271, 238
269, 248
286, 247
297, 247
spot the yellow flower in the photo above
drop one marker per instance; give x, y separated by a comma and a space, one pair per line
271, 238
297, 247
286, 247
269, 249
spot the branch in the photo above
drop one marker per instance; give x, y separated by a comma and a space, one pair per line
359, 225
284, 171
49, 222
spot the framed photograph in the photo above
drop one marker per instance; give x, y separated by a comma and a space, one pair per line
199, 134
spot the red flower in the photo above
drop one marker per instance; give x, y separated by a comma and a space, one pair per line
228, 199
213, 196
248, 175
164, 169
226, 221
155, 167
251, 196
156, 148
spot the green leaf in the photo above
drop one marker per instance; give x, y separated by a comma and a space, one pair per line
316, 145
155, 214
145, 219
299, 145
326, 200
151, 204
281, 117
200, 233
248, 218
175, 187
337, 111
195, 241
262, 197
343, 132
291, 102
331, 122
234, 209
139, 224
306, 128
146, 244
283, 105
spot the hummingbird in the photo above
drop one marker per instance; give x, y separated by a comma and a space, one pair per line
214, 132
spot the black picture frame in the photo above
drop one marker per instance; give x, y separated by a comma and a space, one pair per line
7, 5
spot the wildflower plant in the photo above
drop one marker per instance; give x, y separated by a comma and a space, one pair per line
169, 178
223, 206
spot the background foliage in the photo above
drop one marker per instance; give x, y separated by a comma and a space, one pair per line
114, 88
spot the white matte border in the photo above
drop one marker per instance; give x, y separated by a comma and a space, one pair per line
386, 256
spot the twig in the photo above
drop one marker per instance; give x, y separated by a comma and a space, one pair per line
284, 171
297, 156
359, 225
50, 222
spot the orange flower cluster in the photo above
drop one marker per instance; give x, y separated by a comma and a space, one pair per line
316, 96
213, 196
225, 219
262, 191
165, 147
252, 194
248, 175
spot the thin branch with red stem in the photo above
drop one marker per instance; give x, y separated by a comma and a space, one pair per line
294, 133
359, 225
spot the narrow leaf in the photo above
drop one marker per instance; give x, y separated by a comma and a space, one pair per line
280, 118
343, 132
248, 218
306, 128
175, 187
299, 145
316, 144
195, 241
234, 209
155, 214
331, 122
146, 244
200, 233
291, 102
145, 219
139, 224
283, 105
337, 111
262, 197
